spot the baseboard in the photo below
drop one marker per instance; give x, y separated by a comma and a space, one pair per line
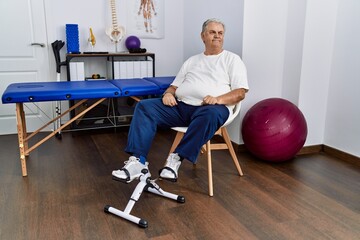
315, 149
305, 150
311, 149
341, 154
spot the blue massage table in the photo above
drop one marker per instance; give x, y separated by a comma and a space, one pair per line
20, 93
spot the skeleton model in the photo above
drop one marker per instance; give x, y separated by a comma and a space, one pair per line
148, 10
115, 32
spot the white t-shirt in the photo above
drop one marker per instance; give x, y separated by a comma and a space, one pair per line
214, 75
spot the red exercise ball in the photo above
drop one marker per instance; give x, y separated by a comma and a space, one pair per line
274, 130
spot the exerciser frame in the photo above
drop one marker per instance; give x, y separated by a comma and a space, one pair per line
147, 184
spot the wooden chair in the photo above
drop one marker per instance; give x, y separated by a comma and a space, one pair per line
208, 147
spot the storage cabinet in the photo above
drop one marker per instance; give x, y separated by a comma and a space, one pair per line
115, 112
112, 64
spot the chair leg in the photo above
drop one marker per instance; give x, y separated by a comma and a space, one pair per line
226, 137
208, 152
178, 137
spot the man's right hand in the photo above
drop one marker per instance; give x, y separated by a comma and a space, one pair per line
168, 99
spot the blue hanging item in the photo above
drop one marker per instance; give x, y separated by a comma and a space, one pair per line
72, 38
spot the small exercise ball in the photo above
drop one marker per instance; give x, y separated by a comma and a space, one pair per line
132, 42
274, 130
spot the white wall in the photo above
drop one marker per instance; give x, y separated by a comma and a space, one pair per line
304, 51
316, 66
318, 69
183, 22
263, 48
196, 12
294, 39
97, 14
342, 128
231, 13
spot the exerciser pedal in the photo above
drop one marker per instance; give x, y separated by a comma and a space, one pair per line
147, 184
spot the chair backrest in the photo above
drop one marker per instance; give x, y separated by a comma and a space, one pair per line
236, 112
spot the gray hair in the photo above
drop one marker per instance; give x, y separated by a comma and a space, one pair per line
215, 20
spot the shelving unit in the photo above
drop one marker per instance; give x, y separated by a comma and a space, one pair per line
112, 58
115, 112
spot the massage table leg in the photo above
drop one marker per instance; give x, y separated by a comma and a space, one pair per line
23, 145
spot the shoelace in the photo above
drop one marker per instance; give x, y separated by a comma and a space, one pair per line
130, 161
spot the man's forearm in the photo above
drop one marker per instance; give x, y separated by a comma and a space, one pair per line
170, 90
232, 97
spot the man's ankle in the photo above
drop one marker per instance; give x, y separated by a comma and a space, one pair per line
181, 158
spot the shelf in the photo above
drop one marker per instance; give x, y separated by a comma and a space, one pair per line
122, 108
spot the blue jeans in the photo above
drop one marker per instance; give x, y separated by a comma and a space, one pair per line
151, 114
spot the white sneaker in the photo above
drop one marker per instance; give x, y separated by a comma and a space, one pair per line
170, 171
130, 171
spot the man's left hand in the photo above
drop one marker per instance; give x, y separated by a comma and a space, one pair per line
210, 100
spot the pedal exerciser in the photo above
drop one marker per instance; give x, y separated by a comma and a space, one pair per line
149, 185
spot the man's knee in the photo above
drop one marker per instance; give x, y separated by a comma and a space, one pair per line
148, 106
147, 103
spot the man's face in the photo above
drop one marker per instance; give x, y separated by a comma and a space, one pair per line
213, 36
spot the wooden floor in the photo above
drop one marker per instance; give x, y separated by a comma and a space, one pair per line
69, 183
